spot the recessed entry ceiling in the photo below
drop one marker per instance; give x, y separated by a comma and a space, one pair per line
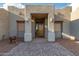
39, 15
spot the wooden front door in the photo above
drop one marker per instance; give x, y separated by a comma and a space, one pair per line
39, 28
20, 29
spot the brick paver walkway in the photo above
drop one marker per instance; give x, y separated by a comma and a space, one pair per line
39, 47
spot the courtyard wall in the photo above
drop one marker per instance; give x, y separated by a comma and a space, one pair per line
4, 23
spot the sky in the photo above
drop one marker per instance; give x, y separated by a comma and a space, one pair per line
61, 5
1, 4
57, 5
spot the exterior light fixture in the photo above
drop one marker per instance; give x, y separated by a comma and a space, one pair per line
51, 20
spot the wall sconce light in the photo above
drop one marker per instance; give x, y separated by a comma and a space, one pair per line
51, 20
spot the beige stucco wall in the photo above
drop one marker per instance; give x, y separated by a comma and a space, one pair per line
75, 23
4, 23
14, 15
39, 9
64, 15
75, 14
8, 21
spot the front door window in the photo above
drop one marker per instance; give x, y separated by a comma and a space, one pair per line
39, 30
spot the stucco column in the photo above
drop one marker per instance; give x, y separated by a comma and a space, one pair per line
28, 33
46, 28
51, 33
